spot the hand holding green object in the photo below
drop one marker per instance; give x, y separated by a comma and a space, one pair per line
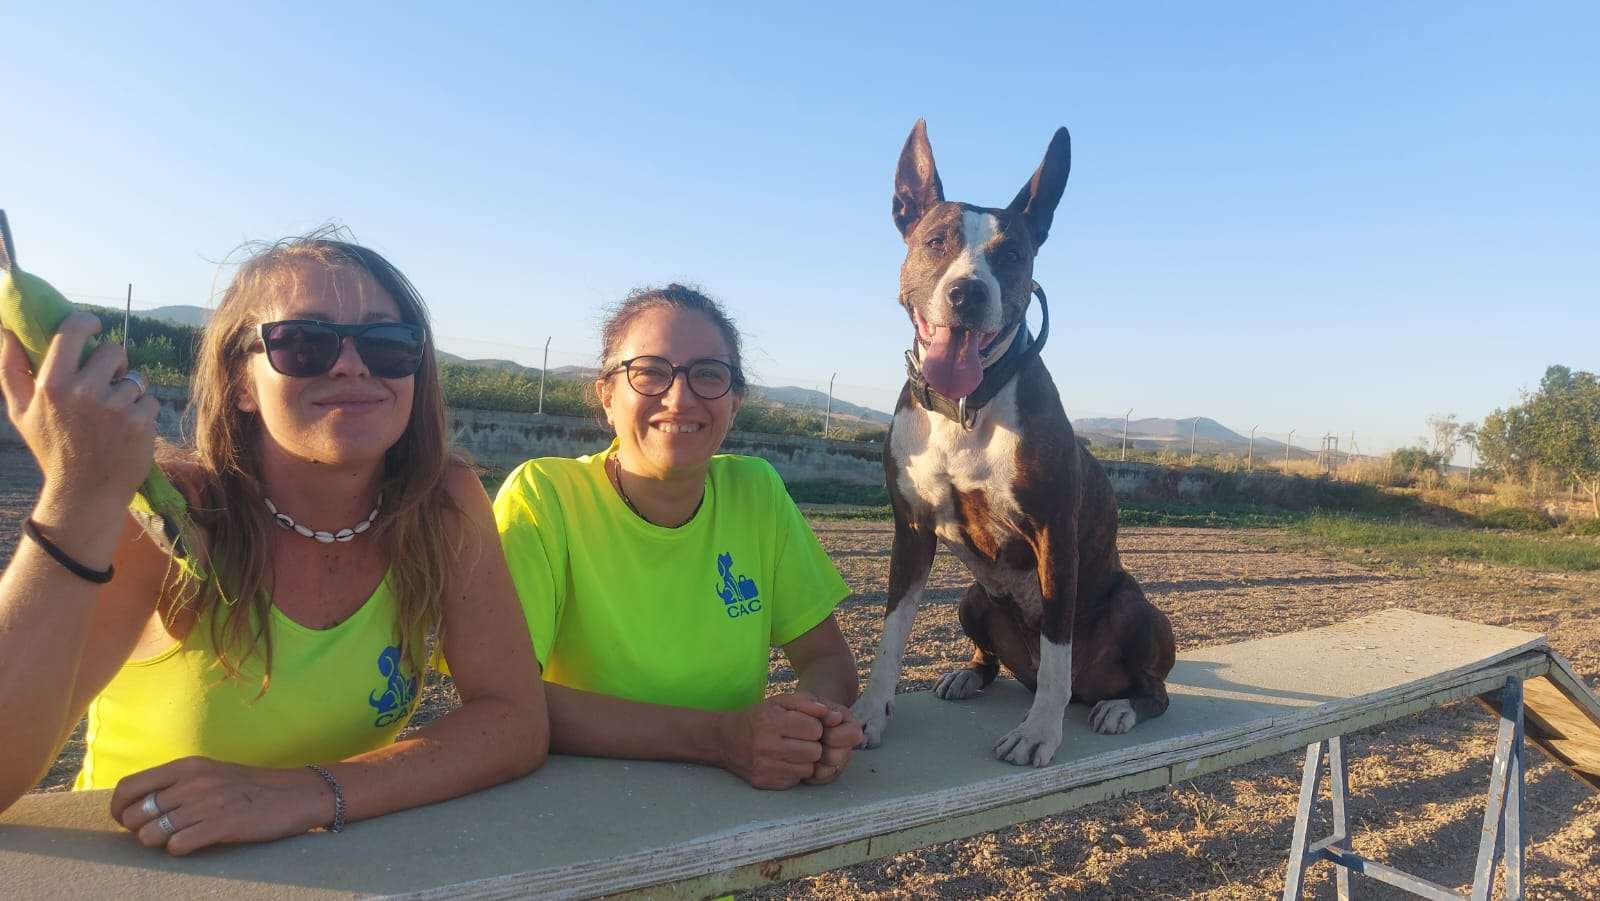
33, 311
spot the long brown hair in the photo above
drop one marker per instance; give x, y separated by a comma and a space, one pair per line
419, 529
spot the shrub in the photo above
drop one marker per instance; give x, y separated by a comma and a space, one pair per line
1590, 527
1413, 464
1519, 519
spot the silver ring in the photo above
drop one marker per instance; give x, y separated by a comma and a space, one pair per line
138, 381
166, 825
150, 807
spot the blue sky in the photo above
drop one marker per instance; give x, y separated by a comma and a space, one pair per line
1330, 217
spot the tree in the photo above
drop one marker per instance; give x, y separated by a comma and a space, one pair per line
1410, 462
1503, 443
1446, 434
1564, 427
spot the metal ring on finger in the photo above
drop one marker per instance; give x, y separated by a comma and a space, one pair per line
151, 807
138, 381
165, 822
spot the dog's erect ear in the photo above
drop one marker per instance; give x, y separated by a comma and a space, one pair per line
916, 181
1038, 198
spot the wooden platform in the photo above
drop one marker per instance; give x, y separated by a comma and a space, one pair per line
584, 827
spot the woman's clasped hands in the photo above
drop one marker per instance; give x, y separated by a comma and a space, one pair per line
787, 739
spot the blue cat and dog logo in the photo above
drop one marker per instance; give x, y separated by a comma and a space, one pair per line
739, 593
394, 701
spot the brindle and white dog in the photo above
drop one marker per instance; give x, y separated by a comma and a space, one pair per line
981, 456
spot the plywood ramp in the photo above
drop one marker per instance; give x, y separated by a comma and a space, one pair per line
583, 827
1563, 718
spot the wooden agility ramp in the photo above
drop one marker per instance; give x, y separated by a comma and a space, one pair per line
586, 827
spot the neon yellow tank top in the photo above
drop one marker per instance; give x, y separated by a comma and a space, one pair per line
334, 693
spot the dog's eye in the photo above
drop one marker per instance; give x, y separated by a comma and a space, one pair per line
936, 244
1010, 255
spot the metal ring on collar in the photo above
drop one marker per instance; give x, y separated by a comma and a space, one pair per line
151, 807
138, 380
165, 823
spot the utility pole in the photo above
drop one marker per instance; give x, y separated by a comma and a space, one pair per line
127, 316
1250, 455
827, 418
542, 370
1287, 445
1193, 431
1125, 433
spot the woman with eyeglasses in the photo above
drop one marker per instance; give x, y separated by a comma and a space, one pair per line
348, 546
657, 574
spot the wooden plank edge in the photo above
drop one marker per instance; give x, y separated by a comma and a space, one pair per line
755, 850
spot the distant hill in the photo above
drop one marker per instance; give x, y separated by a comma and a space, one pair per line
791, 396
179, 314
1155, 433
784, 396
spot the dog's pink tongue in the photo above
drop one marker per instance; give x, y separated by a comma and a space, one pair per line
950, 363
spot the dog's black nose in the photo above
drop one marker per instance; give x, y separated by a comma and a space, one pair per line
968, 294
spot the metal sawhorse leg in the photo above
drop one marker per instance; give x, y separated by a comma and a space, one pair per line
1502, 834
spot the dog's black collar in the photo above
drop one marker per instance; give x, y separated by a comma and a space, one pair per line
995, 376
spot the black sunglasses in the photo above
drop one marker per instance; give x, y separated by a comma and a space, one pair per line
709, 378
302, 348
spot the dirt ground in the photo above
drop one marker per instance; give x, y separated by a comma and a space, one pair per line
1417, 785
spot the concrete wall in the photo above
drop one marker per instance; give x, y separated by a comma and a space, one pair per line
502, 440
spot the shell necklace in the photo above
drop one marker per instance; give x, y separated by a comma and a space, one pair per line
286, 521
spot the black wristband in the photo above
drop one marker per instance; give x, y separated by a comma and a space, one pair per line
97, 576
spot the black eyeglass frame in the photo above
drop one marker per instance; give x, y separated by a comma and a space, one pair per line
735, 376
342, 331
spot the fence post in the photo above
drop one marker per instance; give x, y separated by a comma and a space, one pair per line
542, 370
1125, 434
827, 418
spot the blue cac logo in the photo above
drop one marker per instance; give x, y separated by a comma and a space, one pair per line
394, 701
739, 594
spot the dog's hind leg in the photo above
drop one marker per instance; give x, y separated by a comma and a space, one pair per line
976, 612
1145, 634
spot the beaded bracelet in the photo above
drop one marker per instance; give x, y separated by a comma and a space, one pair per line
338, 797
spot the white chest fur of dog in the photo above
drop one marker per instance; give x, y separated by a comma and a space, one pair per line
937, 457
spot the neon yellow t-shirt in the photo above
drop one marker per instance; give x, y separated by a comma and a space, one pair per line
335, 693
683, 616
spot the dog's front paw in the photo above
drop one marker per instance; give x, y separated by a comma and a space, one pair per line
873, 715
1030, 744
959, 685
1112, 717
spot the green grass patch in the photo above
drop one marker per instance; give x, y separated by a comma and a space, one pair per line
847, 512
834, 491
1206, 516
1415, 542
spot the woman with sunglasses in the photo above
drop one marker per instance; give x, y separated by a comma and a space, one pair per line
657, 574
347, 545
